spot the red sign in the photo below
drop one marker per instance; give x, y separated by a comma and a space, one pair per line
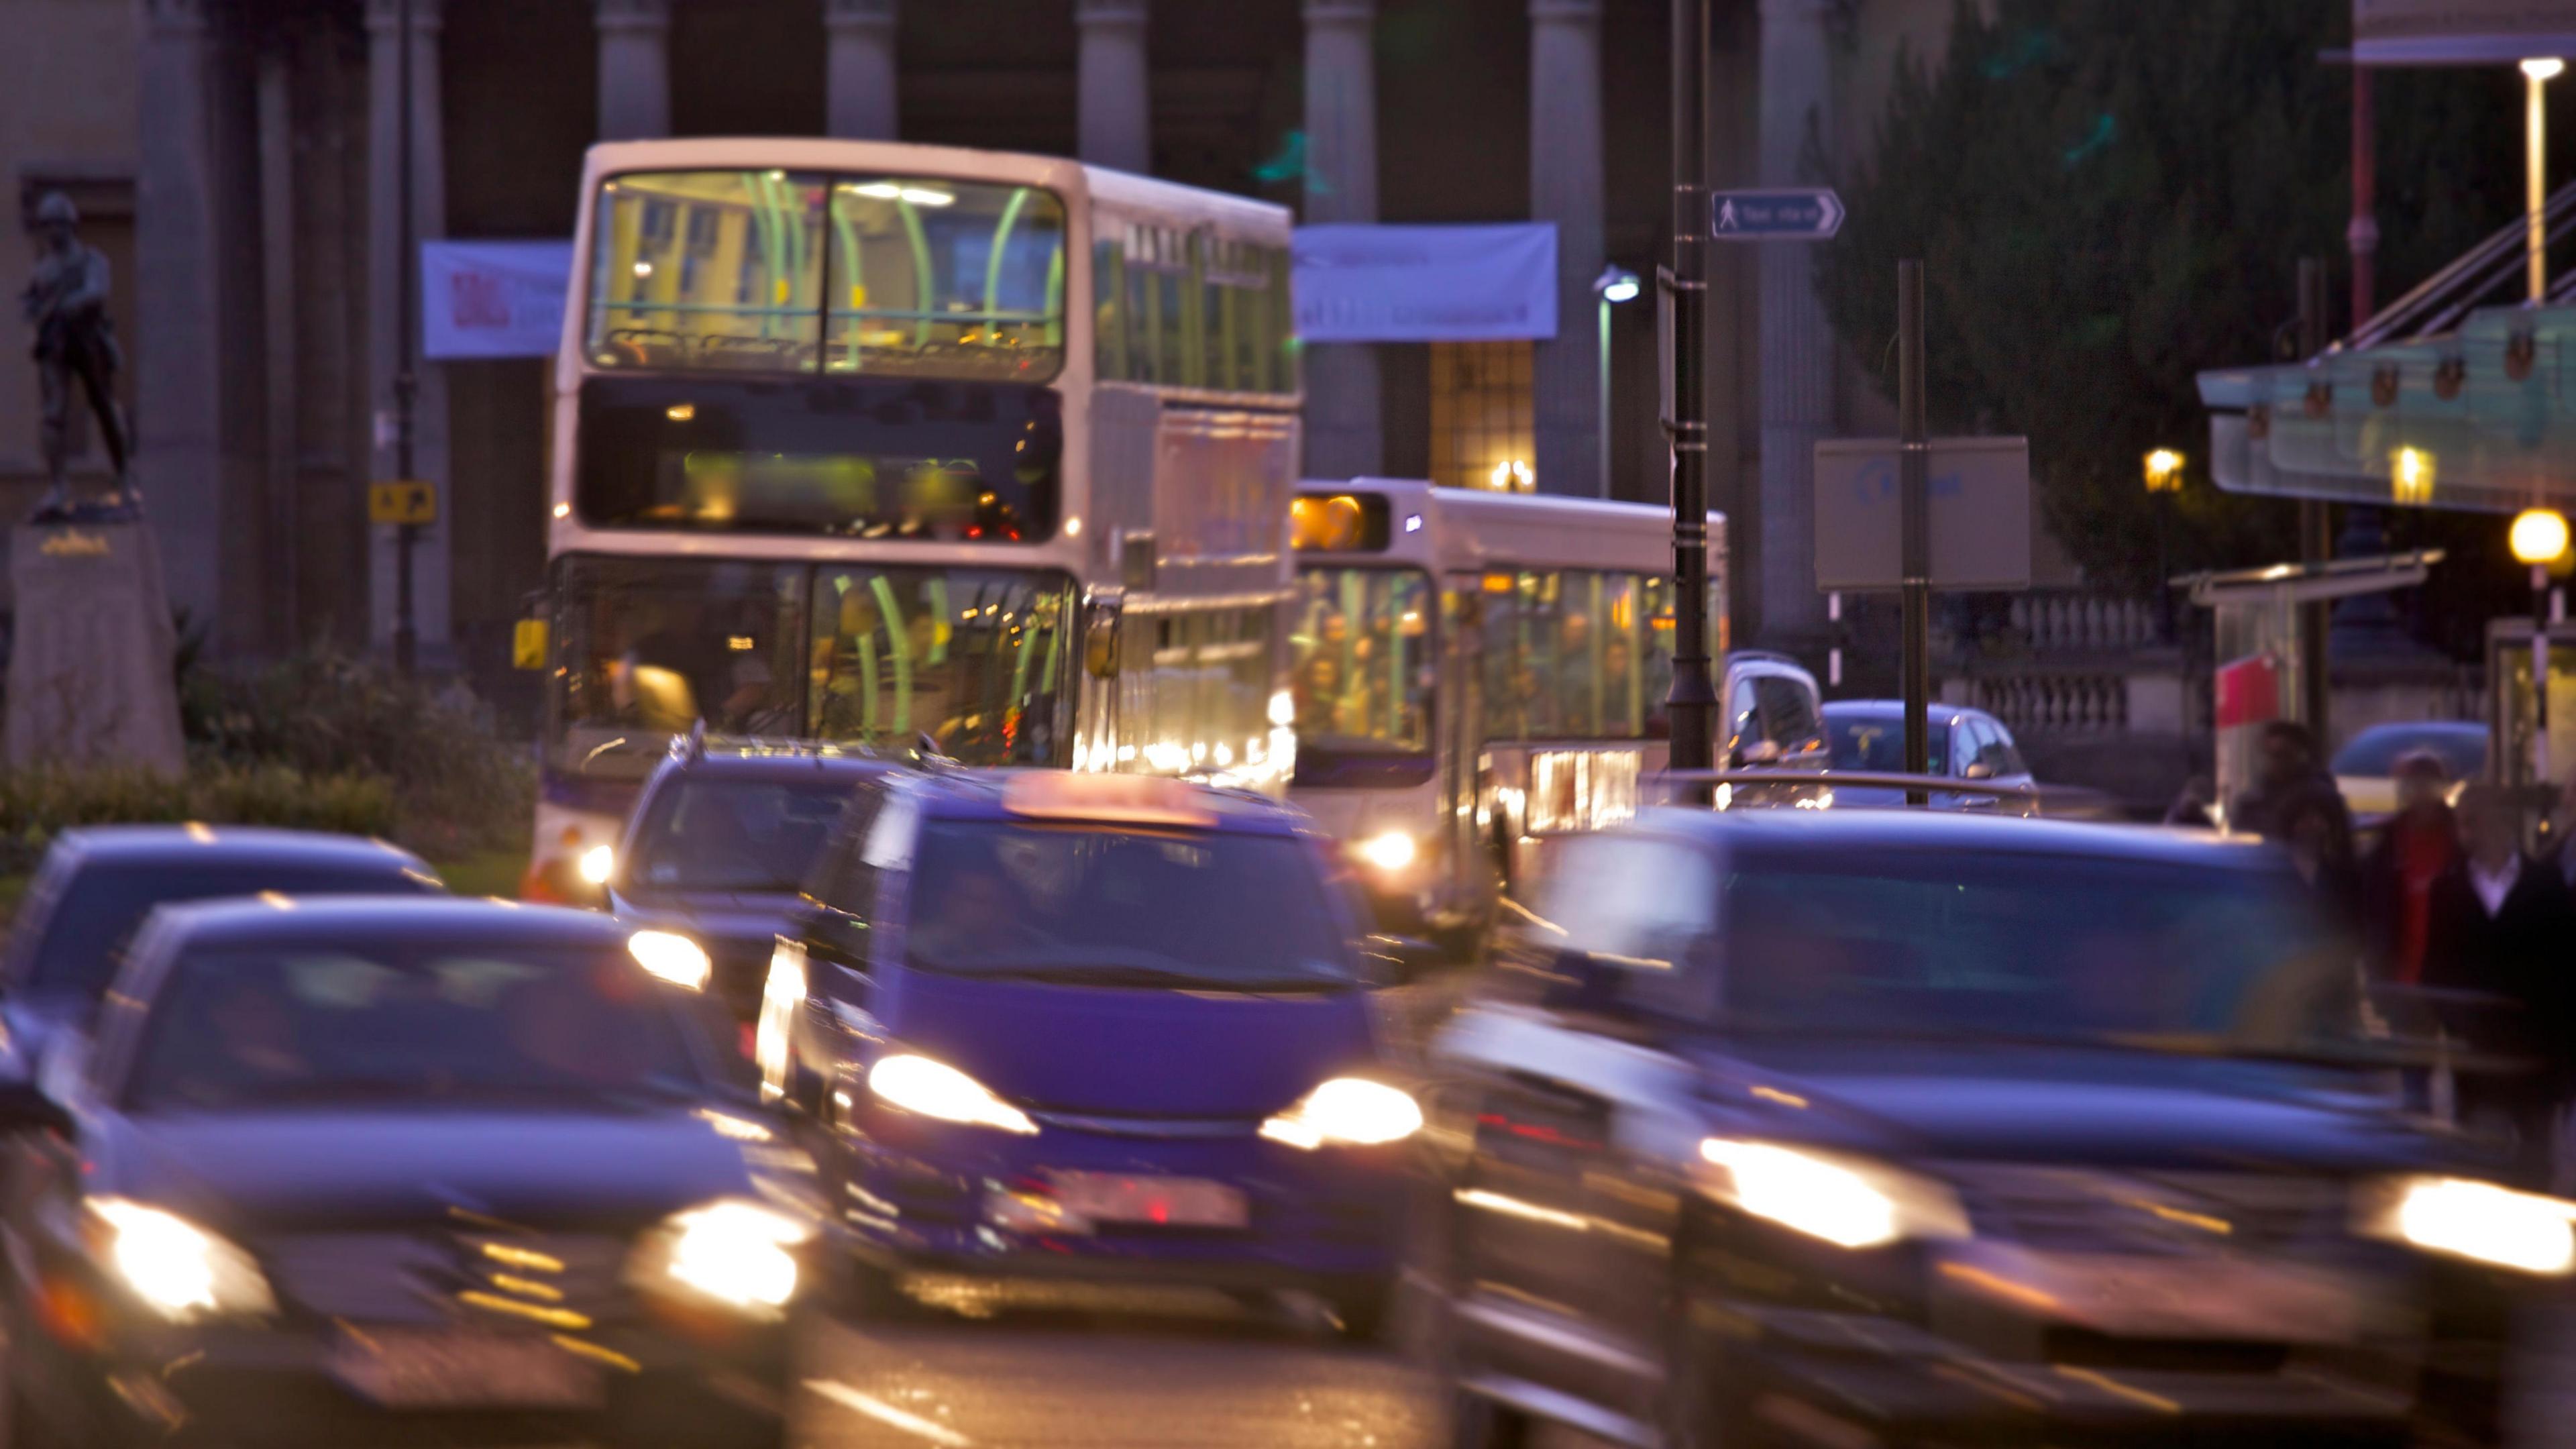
2249, 691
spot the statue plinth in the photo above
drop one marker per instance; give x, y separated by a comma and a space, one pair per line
90, 666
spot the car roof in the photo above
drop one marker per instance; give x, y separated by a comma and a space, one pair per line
272, 917
1895, 709
225, 844
783, 762
1852, 833
2421, 729
977, 794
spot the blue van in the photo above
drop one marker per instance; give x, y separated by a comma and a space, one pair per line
1092, 1026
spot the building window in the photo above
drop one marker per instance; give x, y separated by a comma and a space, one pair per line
1481, 415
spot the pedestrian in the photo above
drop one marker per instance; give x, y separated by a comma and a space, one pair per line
2320, 852
2418, 845
2496, 944
2291, 770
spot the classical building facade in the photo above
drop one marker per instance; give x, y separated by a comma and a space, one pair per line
238, 161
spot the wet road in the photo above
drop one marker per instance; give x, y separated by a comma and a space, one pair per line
1136, 1370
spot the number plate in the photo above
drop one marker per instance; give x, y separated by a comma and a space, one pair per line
1179, 1202
456, 1369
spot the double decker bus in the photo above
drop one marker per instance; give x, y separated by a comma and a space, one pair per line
913, 448
1474, 673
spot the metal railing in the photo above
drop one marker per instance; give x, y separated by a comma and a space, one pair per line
2435, 305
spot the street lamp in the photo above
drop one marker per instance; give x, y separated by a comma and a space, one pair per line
2537, 73
1615, 285
2539, 536
2164, 471
2164, 476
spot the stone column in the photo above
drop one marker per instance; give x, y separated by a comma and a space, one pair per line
384, 289
179, 278
634, 68
1797, 345
1113, 120
859, 69
1565, 188
1343, 439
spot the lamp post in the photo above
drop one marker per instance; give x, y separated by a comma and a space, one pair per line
1614, 285
2163, 468
2539, 535
2536, 76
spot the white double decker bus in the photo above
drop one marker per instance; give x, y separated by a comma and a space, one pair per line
914, 447
1474, 673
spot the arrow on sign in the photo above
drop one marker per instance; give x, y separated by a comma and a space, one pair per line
1803, 214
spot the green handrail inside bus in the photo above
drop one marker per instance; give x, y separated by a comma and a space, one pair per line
901, 648
922, 280
940, 622
857, 282
1001, 243
1055, 297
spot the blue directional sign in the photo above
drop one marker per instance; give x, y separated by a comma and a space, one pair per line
1803, 214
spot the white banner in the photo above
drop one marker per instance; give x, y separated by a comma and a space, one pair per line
1426, 283
493, 298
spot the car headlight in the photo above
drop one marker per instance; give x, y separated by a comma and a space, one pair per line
936, 1089
1390, 850
597, 864
673, 957
178, 1268
1350, 1111
737, 1253
2475, 1220
1845, 1201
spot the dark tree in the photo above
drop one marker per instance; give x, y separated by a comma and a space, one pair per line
2110, 196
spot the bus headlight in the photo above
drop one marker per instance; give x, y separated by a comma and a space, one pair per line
1348, 1111
2475, 1220
597, 863
1389, 851
178, 1268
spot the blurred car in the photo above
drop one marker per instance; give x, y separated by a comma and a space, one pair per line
1773, 712
2365, 769
721, 841
97, 883
1093, 1027
1868, 735
1918, 1127
377, 1170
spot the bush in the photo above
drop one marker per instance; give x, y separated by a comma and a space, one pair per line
454, 786
39, 803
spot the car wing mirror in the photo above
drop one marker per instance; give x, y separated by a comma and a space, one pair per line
1979, 770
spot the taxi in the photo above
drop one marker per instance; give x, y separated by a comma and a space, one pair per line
1093, 1027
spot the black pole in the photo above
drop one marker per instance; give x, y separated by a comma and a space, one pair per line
1692, 705
2316, 522
406, 384
1914, 521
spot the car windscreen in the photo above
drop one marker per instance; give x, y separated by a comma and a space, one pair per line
2029, 945
738, 836
393, 1018
86, 930
2375, 751
1088, 906
1877, 742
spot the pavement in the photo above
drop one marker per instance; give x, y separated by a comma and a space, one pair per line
991, 1367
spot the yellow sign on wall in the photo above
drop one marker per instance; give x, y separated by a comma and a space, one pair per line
413, 503
528, 644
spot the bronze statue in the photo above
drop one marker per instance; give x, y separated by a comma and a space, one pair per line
66, 299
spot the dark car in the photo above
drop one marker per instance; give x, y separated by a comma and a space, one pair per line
96, 885
376, 1170
1891, 1128
1868, 735
1093, 1026
719, 846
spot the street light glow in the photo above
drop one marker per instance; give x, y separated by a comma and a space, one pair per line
2544, 68
2164, 471
2539, 535
1617, 284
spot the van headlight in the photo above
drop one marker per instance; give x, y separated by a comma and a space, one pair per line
1849, 1202
739, 1254
671, 956
180, 1269
597, 864
2475, 1220
936, 1089
1347, 1111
